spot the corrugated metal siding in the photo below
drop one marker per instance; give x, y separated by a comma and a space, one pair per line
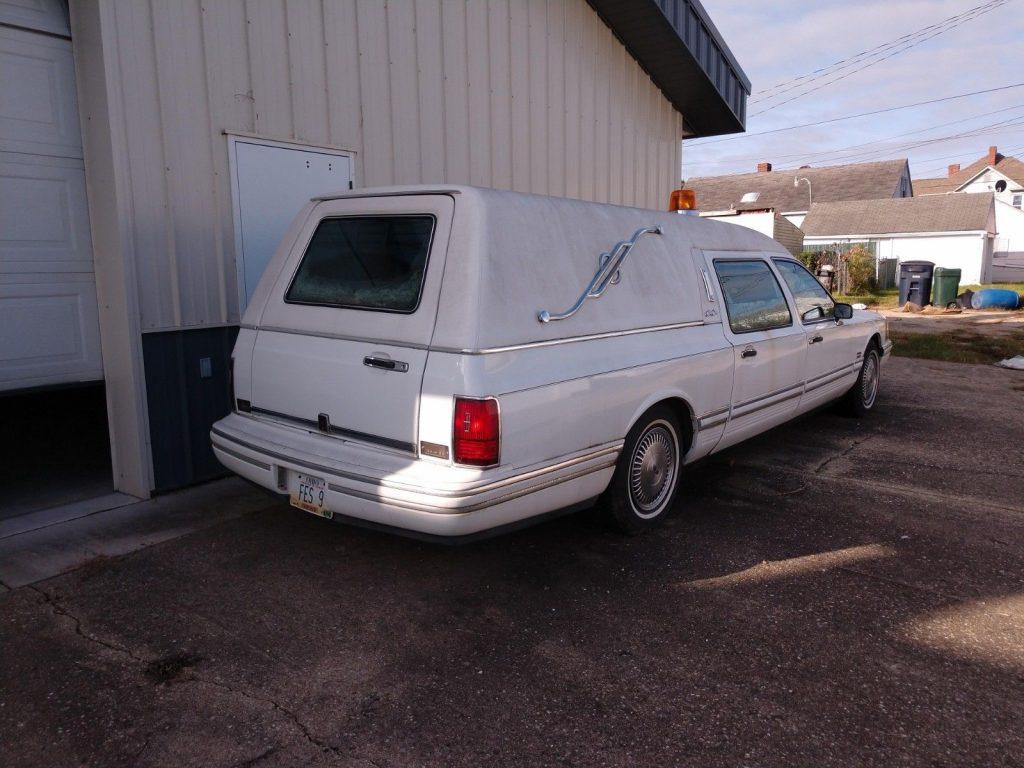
534, 95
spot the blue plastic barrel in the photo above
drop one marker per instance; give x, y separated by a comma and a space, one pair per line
995, 298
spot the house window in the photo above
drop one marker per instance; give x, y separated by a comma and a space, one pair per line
1018, 200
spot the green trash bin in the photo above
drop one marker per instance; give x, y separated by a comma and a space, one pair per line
945, 286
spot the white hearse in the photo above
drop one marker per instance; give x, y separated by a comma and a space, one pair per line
450, 360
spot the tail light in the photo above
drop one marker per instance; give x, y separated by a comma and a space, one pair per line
476, 431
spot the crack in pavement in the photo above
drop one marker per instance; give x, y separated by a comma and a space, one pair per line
144, 747
842, 454
277, 706
63, 612
255, 760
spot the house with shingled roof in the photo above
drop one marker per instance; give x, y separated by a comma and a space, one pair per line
952, 231
769, 189
1001, 177
994, 173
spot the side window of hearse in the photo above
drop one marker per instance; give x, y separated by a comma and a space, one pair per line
365, 262
753, 297
812, 301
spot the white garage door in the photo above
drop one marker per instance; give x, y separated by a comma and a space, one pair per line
49, 331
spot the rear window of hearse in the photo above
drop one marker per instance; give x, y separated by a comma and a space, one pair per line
365, 262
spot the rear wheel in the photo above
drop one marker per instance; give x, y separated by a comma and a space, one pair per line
646, 477
861, 398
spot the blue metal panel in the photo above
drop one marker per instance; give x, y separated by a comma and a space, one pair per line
187, 388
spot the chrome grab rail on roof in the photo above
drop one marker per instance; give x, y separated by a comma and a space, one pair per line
608, 265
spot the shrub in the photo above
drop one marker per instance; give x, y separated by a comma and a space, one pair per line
860, 269
810, 259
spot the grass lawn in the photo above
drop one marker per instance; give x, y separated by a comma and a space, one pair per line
890, 297
885, 299
1018, 287
958, 346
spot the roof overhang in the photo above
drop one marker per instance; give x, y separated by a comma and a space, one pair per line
680, 48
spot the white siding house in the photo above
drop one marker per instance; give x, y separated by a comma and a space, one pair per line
767, 222
953, 231
1008, 248
1001, 177
132, 237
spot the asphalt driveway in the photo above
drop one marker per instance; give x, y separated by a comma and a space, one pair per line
834, 593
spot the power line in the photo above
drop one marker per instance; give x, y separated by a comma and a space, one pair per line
1005, 125
981, 130
852, 117
936, 169
825, 152
961, 20
1011, 127
907, 41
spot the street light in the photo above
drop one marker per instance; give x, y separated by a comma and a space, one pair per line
796, 183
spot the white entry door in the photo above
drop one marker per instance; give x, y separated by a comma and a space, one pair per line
49, 327
272, 182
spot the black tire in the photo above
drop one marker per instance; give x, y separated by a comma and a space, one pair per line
863, 395
646, 480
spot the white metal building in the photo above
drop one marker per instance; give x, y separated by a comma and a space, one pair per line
153, 152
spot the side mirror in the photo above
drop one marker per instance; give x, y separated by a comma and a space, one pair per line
843, 311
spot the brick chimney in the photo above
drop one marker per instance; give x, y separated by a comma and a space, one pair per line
954, 169
764, 167
993, 155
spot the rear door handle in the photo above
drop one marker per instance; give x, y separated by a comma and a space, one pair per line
386, 364
750, 352
816, 339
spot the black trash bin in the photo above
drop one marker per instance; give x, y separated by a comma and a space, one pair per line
916, 282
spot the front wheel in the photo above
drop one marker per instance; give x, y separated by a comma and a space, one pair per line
646, 477
860, 400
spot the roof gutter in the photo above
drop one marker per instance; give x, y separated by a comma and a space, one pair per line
880, 235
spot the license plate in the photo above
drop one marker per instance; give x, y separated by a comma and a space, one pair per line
307, 493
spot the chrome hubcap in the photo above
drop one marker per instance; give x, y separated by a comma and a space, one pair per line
869, 381
652, 471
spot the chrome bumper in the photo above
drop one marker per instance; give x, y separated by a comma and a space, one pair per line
401, 491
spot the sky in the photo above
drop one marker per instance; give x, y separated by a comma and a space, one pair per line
777, 41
